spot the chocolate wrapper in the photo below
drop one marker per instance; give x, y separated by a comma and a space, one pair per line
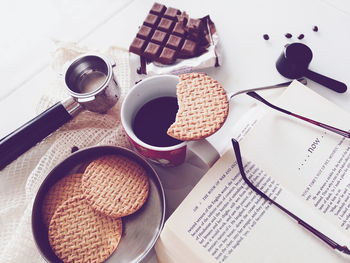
210, 58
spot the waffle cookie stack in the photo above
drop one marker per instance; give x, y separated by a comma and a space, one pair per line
83, 212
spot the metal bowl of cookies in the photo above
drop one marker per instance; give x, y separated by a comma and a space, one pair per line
101, 204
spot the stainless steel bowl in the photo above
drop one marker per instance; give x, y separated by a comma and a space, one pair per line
140, 230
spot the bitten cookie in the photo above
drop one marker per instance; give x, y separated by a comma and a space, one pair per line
115, 185
60, 192
203, 107
77, 233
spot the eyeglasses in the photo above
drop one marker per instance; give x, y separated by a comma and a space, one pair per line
317, 123
253, 94
301, 222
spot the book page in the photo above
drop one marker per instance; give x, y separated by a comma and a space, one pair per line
223, 220
311, 162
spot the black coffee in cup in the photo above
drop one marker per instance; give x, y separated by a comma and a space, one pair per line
153, 119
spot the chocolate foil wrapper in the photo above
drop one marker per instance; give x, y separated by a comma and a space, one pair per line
208, 59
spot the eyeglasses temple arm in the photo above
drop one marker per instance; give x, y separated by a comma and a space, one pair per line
276, 86
319, 124
320, 235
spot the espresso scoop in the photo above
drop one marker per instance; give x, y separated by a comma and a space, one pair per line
294, 61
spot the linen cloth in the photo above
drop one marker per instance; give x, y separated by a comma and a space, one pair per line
20, 181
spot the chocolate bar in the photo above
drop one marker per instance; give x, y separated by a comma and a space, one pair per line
168, 34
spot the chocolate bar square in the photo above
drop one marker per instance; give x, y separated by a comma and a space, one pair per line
174, 42
158, 9
172, 13
145, 32
166, 25
159, 37
152, 51
195, 25
179, 30
151, 20
167, 56
188, 49
137, 46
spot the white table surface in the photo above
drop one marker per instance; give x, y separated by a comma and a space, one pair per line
248, 59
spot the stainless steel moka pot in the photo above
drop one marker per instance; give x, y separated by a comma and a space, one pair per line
91, 83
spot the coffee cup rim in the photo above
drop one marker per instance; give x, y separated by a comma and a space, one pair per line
127, 128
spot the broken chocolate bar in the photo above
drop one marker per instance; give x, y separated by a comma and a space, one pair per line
168, 34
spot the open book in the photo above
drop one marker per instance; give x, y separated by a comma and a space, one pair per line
301, 166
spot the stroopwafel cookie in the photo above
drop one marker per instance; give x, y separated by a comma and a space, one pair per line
203, 107
115, 185
60, 192
77, 233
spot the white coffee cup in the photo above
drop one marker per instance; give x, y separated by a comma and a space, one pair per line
145, 91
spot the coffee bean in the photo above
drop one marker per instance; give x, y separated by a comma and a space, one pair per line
315, 28
288, 35
266, 37
301, 36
